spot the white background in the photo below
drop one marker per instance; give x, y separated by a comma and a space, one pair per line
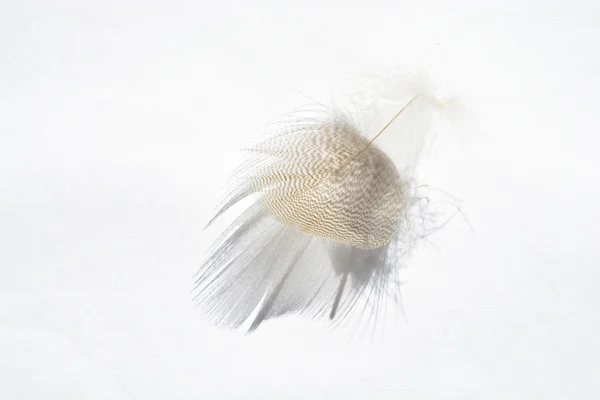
120, 120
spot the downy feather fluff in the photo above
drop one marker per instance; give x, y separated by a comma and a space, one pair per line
332, 219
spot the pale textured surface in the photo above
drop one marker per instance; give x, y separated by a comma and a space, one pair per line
120, 119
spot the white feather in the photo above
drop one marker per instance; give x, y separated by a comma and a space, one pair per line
333, 218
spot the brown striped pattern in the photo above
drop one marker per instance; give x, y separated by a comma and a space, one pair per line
327, 181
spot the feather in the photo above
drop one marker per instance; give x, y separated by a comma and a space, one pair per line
330, 223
